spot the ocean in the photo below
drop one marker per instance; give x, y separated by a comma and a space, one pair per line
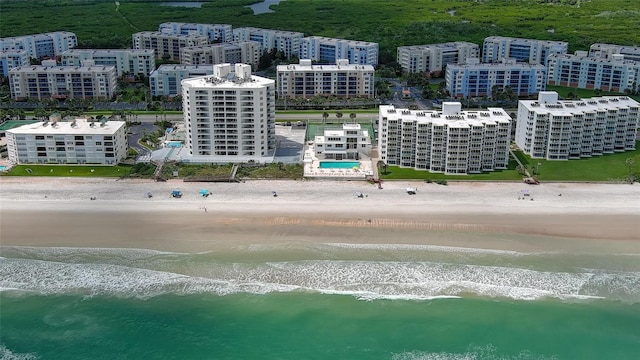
318, 301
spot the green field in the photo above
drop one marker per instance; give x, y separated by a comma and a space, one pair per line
100, 23
69, 170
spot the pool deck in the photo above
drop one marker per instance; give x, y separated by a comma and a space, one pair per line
312, 168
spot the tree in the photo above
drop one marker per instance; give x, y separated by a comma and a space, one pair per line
339, 114
325, 115
352, 116
382, 167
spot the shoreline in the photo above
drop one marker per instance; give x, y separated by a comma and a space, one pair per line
57, 212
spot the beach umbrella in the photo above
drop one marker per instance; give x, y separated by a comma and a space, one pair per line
204, 192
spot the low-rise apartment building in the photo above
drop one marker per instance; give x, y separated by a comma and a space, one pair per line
532, 51
433, 58
614, 73
80, 141
166, 80
342, 80
288, 42
12, 58
449, 141
242, 52
329, 50
217, 33
553, 129
167, 45
126, 61
474, 79
61, 82
39, 46
606, 51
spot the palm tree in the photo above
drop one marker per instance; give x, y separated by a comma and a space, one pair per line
352, 116
325, 115
339, 114
382, 166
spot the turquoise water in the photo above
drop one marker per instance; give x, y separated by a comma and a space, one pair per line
318, 301
174, 144
339, 164
3, 167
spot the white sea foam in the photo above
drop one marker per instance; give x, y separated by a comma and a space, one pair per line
435, 248
7, 354
487, 352
366, 280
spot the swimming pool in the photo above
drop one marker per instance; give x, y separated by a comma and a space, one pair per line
339, 164
3, 168
175, 144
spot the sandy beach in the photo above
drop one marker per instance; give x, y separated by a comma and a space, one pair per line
554, 216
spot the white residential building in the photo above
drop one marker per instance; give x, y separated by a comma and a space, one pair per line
614, 73
342, 80
329, 51
47, 81
572, 129
475, 79
12, 58
126, 61
243, 52
449, 141
288, 42
167, 45
344, 143
434, 57
80, 141
229, 116
38, 46
166, 80
607, 51
532, 51
217, 33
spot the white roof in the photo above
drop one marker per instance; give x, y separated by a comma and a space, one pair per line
76, 127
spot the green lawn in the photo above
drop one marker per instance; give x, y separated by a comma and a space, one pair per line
69, 170
605, 168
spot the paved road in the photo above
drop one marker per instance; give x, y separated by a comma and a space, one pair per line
279, 116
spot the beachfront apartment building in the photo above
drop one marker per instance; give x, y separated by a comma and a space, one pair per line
433, 58
553, 129
217, 33
167, 45
39, 46
126, 61
166, 80
347, 142
287, 42
242, 52
606, 51
342, 80
329, 50
229, 116
613, 73
12, 58
449, 141
532, 51
80, 141
62, 82
475, 79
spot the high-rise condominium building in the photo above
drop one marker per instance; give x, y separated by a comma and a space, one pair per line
342, 79
572, 129
166, 45
607, 51
12, 58
450, 141
80, 141
288, 42
532, 51
329, 51
474, 79
229, 116
581, 71
433, 58
126, 61
40, 46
